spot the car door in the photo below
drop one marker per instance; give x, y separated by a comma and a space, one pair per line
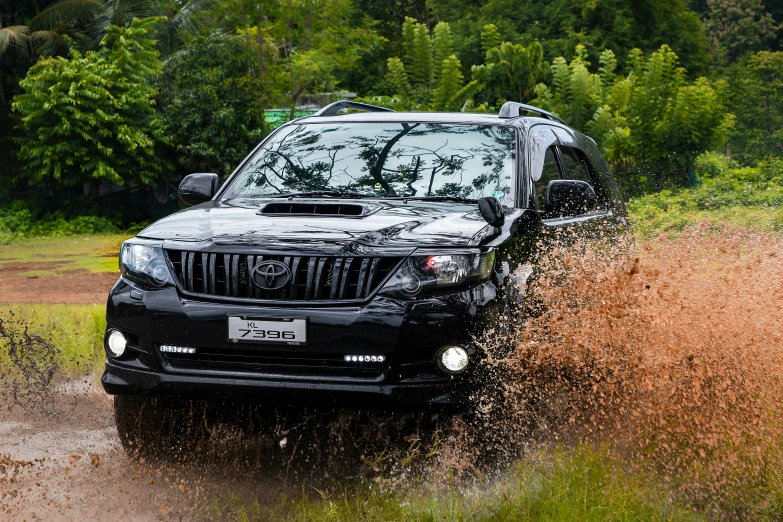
565, 159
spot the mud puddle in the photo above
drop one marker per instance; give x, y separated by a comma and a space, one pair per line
67, 465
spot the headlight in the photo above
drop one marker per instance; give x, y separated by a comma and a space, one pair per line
144, 262
421, 273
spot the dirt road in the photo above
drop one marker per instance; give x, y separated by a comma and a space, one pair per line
71, 270
72, 287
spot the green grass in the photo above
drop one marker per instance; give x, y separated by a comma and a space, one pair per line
745, 198
94, 253
558, 485
649, 222
76, 331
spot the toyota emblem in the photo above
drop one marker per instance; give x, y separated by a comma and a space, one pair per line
270, 275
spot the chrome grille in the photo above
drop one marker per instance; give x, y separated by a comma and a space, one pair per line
313, 278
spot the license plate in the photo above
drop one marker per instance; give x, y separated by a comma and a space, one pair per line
279, 331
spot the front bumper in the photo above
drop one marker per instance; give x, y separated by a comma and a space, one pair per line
407, 333
120, 380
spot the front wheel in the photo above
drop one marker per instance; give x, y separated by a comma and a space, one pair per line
157, 426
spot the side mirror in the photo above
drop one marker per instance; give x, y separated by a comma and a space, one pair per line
492, 211
569, 197
198, 188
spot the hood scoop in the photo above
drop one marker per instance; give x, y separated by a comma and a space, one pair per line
313, 209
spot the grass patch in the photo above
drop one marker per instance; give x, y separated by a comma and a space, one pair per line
75, 332
746, 198
579, 484
94, 253
649, 222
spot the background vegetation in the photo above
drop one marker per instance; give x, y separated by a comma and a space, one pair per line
98, 97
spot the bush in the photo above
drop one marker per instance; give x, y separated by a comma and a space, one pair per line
749, 196
17, 222
711, 164
92, 117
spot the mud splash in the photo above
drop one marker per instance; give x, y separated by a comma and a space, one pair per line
671, 358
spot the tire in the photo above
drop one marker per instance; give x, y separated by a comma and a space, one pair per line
156, 427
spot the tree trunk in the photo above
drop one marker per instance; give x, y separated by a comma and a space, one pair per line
5, 120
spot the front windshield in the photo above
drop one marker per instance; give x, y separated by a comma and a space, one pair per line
381, 160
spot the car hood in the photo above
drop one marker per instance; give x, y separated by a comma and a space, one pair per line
383, 223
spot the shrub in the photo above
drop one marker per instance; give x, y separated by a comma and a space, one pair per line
92, 117
749, 196
17, 222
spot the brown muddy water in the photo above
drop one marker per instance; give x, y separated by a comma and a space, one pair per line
669, 357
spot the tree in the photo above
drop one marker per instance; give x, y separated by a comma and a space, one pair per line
490, 37
510, 72
18, 40
212, 103
651, 124
97, 15
442, 48
446, 95
738, 27
418, 57
560, 25
757, 94
302, 46
92, 117
430, 76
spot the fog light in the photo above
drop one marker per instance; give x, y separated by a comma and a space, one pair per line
453, 359
116, 343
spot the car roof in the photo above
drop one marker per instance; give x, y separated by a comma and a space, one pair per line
422, 117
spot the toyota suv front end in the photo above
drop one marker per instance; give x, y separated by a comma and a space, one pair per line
350, 261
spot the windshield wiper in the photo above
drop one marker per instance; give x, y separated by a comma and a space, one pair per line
439, 198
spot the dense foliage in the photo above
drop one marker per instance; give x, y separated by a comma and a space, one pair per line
92, 117
757, 99
740, 26
727, 192
651, 123
211, 103
141, 92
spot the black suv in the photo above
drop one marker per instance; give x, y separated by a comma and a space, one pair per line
350, 260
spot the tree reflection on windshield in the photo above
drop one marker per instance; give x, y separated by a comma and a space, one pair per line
382, 159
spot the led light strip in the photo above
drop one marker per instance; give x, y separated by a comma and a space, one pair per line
176, 349
364, 358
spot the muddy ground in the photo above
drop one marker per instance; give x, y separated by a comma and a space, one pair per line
70, 287
62, 460
65, 463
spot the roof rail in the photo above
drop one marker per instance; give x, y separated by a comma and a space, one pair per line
334, 108
511, 110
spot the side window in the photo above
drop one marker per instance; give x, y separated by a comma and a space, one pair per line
573, 165
548, 173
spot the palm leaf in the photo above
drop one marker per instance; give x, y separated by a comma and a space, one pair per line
118, 12
14, 37
67, 10
48, 42
184, 21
